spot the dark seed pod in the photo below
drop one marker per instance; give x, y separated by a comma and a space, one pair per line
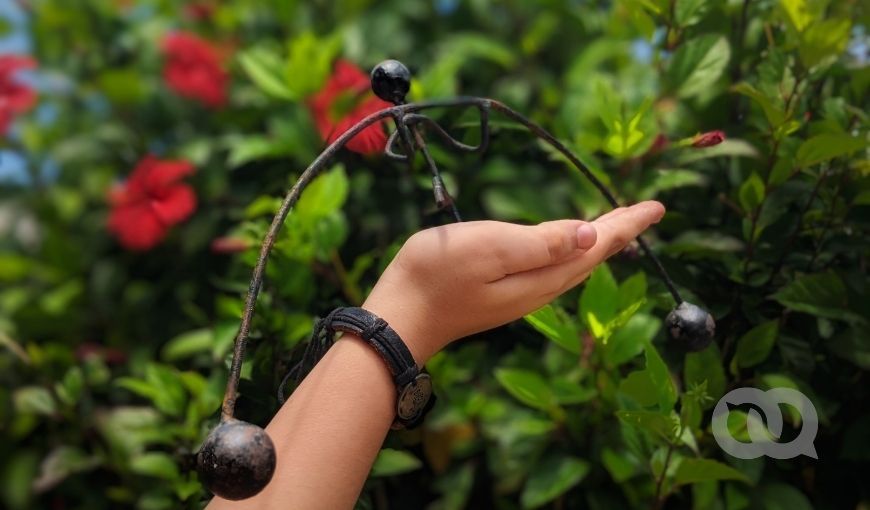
236, 460
391, 81
691, 326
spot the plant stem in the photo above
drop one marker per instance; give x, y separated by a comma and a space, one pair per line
817, 249
350, 289
660, 498
793, 236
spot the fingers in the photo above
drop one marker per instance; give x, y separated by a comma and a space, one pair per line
519, 248
614, 231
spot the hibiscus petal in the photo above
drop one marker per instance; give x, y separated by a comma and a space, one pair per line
19, 98
137, 227
370, 140
176, 204
12, 63
193, 69
5, 120
347, 76
162, 173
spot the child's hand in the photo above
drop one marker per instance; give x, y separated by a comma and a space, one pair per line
451, 281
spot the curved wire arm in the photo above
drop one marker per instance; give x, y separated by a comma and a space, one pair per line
406, 120
414, 119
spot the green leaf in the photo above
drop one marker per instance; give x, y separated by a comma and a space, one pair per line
797, 13
70, 388
663, 426
264, 67
550, 324
698, 64
703, 470
600, 297
568, 393
629, 340
475, 45
309, 62
689, 12
62, 462
551, 478
754, 346
14, 267
774, 114
792, 414
827, 146
162, 386
620, 466
632, 290
781, 496
526, 386
751, 193
853, 345
706, 366
34, 399
325, 195
668, 179
157, 464
627, 136
820, 294
824, 40
661, 378
263, 205
703, 244
639, 386
188, 344
60, 298
244, 149
392, 462
19, 470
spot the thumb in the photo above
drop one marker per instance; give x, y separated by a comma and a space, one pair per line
533, 246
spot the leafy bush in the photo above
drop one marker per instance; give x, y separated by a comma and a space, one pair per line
120, 298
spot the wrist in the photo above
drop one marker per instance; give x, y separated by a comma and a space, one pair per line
414, 396
409, 324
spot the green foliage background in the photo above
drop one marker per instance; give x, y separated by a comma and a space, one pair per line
586, 404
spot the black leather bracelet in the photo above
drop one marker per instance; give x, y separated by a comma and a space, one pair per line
413, 385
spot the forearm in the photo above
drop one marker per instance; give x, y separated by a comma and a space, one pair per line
328, 433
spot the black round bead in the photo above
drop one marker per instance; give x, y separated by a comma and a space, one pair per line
691, 326
391, 81
236, 460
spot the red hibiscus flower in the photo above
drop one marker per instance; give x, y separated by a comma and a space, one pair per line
709, 139
193, 69
344, 100
199, 10
15, 98
150, 202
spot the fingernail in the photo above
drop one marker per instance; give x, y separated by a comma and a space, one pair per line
586, 236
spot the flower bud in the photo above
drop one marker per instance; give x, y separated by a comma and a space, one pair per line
708, 139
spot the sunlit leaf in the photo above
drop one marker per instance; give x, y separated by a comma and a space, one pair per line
698, 64
550, 324
392, 462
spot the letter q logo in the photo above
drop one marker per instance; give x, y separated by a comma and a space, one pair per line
760, 444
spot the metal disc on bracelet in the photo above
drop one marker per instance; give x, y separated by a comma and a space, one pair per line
414, 396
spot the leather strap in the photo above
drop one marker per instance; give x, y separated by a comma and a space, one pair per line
382, 337
377, 333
